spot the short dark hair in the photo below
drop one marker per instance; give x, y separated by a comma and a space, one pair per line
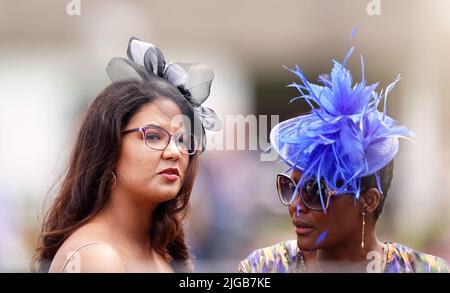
386, 175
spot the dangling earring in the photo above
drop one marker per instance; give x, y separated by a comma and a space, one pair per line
363, 226
114, 179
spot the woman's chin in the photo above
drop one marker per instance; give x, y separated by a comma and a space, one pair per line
305, 243
164, 194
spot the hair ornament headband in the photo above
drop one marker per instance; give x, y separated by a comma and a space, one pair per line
192, 79
344, 137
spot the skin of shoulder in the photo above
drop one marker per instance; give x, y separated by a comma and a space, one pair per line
99, 256
94, 258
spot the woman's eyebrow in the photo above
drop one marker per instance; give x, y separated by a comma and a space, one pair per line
153, 123
179, 128
157, 124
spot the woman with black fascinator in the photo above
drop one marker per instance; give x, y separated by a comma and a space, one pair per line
121, 203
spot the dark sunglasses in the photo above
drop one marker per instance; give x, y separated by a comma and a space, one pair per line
310, 193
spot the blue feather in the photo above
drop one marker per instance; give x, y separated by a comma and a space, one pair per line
349, 53
341, 140
354, 31
321, 237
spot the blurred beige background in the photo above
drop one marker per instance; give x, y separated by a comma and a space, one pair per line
52, 65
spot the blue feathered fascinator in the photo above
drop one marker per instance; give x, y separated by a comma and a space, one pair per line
345, 137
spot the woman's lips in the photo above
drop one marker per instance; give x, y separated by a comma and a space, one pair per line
169, 177
170, 174
303, 230
301, 227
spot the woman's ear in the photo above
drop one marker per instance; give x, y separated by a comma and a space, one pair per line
370, 200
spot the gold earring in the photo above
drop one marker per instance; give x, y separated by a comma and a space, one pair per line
114, 179
363, 226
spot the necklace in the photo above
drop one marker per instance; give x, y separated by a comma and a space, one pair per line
302, 261
384, 251
318, 262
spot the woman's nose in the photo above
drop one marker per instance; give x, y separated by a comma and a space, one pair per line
297, 206
171, 152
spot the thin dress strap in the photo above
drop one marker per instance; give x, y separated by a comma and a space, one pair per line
76, 250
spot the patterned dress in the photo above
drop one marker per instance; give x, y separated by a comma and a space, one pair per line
283, 258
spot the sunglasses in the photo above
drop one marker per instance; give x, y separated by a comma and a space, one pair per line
157, 138
311, 193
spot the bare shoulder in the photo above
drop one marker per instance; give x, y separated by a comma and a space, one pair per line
87, 252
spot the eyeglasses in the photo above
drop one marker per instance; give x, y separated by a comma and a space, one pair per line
157, 138
310, 193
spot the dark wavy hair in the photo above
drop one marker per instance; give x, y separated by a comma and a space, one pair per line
86, 185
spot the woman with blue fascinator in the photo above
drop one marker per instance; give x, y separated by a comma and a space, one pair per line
120, 206
341, 156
